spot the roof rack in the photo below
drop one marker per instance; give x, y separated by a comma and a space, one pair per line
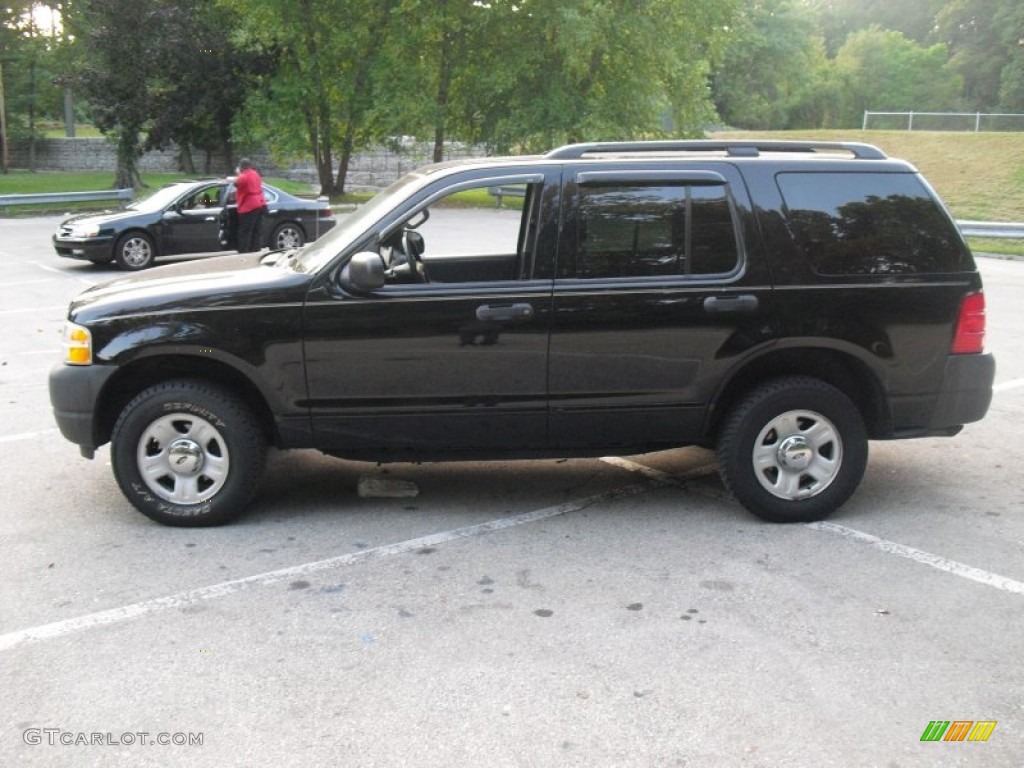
733, 147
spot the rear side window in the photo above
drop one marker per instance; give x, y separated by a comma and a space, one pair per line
870, 224
655, 230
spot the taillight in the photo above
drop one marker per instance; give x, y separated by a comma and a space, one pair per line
969, 337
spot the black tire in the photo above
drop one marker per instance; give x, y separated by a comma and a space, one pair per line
287, 235
793, 450
134, 251
201, 448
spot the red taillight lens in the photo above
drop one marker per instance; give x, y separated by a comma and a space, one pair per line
326, 213
970, 326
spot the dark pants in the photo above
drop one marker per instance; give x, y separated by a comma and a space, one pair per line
250, 231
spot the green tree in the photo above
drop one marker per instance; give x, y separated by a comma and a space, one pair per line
984, 38
116, 44
772, 69
202, 82
27, 93
882, 70
321, 96
838, 19
601, 69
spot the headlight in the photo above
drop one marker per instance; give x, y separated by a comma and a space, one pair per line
77, 345
85, 230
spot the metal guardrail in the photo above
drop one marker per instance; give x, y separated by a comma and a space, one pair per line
991, 229
68, 197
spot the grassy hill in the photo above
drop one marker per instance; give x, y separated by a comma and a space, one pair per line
980, 176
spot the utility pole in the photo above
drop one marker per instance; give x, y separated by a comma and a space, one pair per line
5, 159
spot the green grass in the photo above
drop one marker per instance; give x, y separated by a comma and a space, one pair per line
1001, 246
980, 176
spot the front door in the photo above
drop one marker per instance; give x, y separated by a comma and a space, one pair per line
450, 356
193, 226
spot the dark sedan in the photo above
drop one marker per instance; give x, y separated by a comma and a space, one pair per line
185, 217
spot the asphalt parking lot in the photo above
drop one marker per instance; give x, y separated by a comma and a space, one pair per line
615, 612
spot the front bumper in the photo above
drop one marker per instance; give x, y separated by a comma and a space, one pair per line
84, 247
75, 393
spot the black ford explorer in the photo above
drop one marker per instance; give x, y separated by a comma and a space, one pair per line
783, 302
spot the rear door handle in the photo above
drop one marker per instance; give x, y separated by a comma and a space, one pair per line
723, 304
504, 313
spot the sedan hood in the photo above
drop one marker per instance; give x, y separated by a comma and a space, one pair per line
101, 219
195, 286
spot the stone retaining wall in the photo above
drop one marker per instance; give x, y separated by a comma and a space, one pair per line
371, 169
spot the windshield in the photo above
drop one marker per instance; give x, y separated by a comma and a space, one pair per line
353, 226
159, 199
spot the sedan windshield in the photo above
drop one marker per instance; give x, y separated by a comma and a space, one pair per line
158, 200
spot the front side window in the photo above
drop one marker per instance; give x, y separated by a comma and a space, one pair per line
207, 197
655, 230
870, 224
481, 233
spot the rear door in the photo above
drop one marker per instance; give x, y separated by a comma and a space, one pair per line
660, 289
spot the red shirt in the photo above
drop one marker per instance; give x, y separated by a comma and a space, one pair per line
249, 191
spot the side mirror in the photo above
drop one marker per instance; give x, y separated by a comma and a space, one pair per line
364, 272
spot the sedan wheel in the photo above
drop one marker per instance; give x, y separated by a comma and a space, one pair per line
135, 251
287, 236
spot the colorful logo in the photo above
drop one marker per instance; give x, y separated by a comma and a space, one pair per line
958, 730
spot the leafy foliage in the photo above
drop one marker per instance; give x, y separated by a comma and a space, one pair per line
882, 70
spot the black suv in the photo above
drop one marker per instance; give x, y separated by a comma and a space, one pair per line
784, 302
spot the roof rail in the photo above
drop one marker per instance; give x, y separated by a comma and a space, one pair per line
734, 147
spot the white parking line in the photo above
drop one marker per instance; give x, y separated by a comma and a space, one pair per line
1013, 384
226, 588
891, 547
54, 270
927, 558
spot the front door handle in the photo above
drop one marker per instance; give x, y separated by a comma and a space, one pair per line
744, 303
504, 313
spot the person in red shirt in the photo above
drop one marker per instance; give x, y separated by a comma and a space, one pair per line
251, 206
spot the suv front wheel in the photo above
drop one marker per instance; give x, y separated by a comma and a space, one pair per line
187, 453
793, 450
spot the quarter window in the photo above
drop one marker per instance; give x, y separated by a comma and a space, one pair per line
870, 224
655, 230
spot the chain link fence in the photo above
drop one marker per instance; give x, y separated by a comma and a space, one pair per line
974, 122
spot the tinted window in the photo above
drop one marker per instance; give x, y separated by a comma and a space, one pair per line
869, 224
655, 230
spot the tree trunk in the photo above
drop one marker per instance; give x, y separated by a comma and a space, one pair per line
344, 161
185, 162
127, 160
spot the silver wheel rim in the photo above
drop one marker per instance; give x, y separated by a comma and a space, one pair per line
288, 237
183, 459
136, 252
797, 455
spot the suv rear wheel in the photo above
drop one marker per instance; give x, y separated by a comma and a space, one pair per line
793, 450
187, 453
